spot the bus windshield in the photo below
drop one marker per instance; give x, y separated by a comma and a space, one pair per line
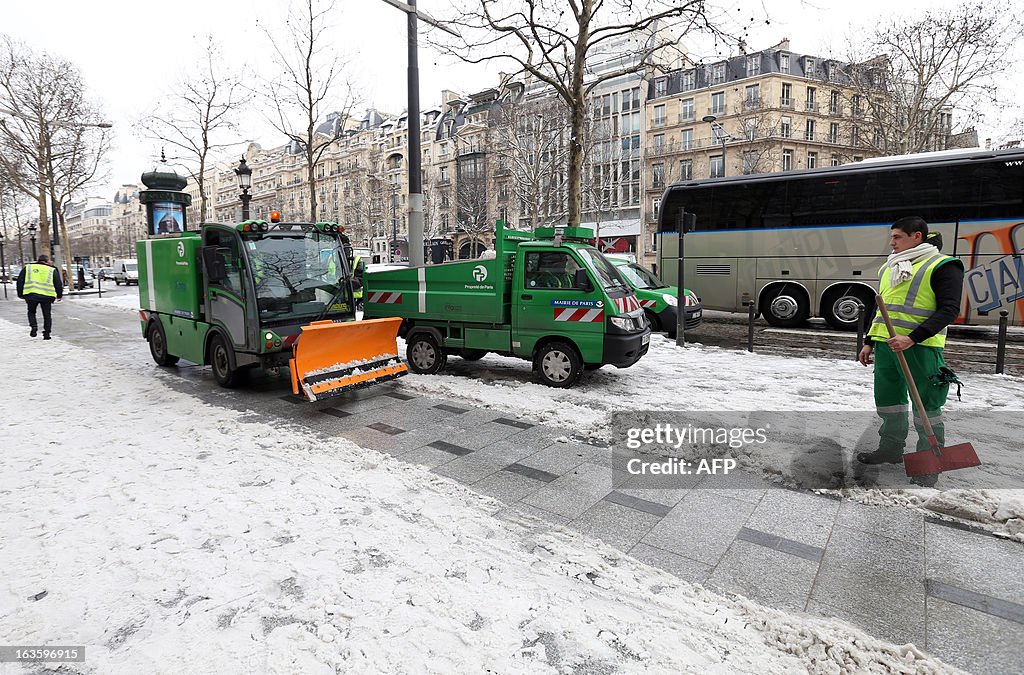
607, 275
640, 276
298, 277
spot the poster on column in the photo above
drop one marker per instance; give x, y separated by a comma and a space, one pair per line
168, 218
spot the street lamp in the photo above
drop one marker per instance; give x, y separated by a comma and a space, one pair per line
244, 174
715, 126
32, 234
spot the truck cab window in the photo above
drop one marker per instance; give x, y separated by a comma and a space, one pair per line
550, 270
227, 250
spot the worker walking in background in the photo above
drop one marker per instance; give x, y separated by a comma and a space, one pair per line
39, 285
922, 289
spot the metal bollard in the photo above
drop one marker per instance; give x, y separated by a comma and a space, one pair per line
861, 310
99, 285
750, 326
1001, 345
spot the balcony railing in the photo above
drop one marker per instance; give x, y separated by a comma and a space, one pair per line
685, 117
752, 103
811, 106
786, 102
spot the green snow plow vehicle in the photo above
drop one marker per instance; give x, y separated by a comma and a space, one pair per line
549, 297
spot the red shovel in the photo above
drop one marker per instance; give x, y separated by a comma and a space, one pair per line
937, 459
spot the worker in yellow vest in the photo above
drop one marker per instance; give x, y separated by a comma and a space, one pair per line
922, 289
39, 284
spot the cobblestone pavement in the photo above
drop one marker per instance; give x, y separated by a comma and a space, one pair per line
894, 572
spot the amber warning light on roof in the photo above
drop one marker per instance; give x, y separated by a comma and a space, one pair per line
275, 216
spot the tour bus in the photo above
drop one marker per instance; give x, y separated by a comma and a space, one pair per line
809, 243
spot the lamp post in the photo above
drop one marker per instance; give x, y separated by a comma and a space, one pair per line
3, 265
715, 126
244, 174
32, 234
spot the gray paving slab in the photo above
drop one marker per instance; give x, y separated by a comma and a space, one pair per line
507, 486
974, 641
481, 435
873, 579
560, 458
799, 516
621, 526
507, 449
474, 418
882, 626
410, 440
426, 456
574, 492
530, 472
977, 562
894, 522
638, 503
450, 448
781, 544
1004, 609
519, 509
701, 526
469, 469
657, 495
766, 575
681, 566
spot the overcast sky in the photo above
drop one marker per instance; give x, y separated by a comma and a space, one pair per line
131, 52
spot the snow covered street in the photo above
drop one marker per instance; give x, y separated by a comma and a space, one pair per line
167, 537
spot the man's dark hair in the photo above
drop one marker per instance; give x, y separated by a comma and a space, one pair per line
911, 224
43, 258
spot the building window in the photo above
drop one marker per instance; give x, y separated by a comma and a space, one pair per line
833, 133
749, 162
752, 96
659, 115
658, 175
444, 222
750, 128
689, 80
812, 104
787, 95
785, 127
753, 65
686, 139
833, 102
660, 87
835, 160
631, 99
444, 174
809, 67
812, 160
718, 73
856, 105
787, 160
686, 169
718, 103
659, 142
655, 205
717, 166
686, 110
855, 136
809, 135
783, 63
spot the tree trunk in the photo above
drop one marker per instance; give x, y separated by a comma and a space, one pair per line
577, 111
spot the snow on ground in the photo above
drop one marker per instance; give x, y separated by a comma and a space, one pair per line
700, 378
129, 302
167, 538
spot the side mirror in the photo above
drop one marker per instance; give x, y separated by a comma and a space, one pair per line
213, 264
582, 281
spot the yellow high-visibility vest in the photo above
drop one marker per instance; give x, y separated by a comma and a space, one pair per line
39, 280
911, 302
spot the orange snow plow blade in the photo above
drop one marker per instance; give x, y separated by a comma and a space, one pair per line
332, 358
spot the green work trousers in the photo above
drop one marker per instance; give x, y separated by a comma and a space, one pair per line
892, 396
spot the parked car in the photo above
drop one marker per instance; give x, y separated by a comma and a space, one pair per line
658, 299
105, 273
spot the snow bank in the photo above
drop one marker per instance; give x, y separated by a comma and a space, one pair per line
169, 539
129, 302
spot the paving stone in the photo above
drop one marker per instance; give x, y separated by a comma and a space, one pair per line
518, 424
657, 495
615, 524
482, 435
873, 579
399, 395
451, 408
976, 562
530, 472
781, 544
701, 526
573, 493
895, 522
883, 626
560, 458
682, 567
507, 450
516, 511
794, 515
386, 428
473, 419
974, 641
507, 486
469, 469
765, 575
450, 448
638, 504
1004, 609
426, 456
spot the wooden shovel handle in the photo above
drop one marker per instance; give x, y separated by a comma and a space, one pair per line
932, 440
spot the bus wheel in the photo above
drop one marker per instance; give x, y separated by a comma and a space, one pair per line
558, 364
424, 355
158, 346
220, 359
785, 306
840, 309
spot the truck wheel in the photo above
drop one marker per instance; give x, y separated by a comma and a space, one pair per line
220, 359
158, 345
785, 306
840, 308
558, 364
424, 355
472, 354
117, 281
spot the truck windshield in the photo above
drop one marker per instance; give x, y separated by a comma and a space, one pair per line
640, 276
607, 275
298, 276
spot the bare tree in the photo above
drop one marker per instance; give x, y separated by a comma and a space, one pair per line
471, 201
197, 114
311, 85
909, 77
552, 41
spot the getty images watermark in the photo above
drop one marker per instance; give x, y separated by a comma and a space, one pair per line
662, 437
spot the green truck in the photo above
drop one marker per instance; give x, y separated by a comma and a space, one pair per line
658, 299
549, 297
264, 295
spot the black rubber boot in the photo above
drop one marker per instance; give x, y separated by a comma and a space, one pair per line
879, 457
33, 332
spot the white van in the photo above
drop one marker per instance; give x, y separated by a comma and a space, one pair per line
126, 271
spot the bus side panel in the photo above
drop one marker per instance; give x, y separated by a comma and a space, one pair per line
719, 282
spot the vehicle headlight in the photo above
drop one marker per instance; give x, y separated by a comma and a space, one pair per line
622, 322
669, 299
